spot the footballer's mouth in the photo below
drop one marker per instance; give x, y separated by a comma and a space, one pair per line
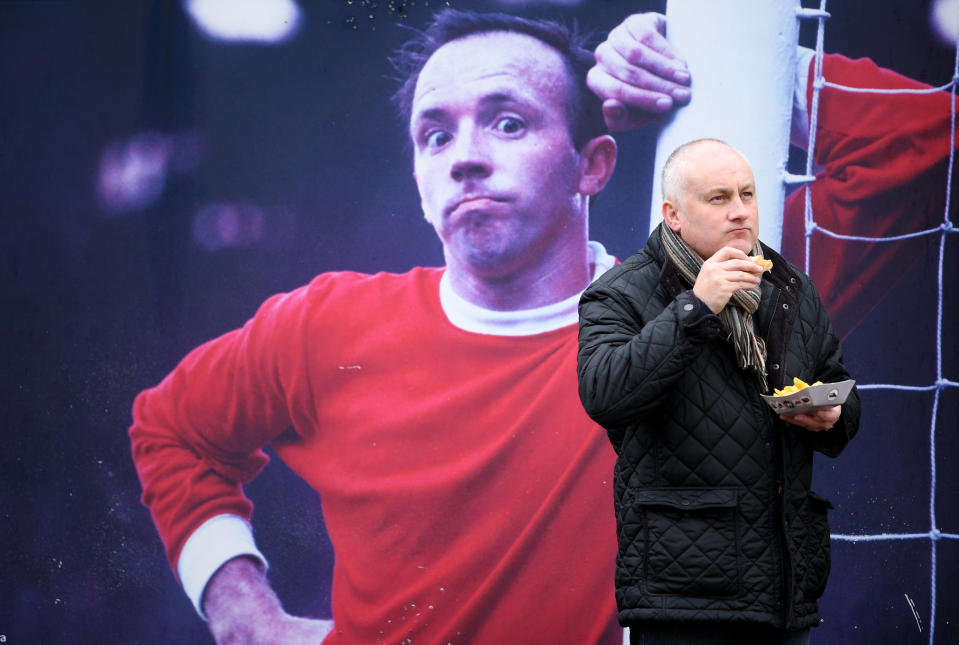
487, 203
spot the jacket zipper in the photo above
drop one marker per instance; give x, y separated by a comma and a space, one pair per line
780, 443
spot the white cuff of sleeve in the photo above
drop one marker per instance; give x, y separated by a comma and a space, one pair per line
216, 541
799, 134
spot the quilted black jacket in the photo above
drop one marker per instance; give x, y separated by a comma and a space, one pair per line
716, 517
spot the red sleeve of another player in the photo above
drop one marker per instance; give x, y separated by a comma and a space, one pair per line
882, 169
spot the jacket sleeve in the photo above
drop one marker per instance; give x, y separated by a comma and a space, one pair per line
830, 369
882, 164
627, 362
199, 435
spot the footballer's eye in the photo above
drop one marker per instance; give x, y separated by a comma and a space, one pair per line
510, 125
438, 139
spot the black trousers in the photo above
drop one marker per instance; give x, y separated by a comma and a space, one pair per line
710, 633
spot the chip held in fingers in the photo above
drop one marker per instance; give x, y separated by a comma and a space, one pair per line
765, 264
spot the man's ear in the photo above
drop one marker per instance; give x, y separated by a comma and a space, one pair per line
671, 215
599, 159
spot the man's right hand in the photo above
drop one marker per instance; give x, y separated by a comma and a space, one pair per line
637, 74
726, 272
242, 609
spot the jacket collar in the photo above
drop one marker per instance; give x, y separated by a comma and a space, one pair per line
669, 276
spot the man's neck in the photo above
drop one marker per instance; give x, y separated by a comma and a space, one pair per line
519, 322
558, 277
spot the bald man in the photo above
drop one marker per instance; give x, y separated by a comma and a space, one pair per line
721, 539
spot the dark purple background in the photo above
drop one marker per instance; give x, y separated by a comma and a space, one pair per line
97, 306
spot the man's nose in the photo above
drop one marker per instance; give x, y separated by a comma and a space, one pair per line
470, 156
739, 209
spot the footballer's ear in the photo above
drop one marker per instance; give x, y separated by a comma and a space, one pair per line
598, 161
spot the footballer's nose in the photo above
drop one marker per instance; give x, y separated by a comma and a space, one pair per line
471, 158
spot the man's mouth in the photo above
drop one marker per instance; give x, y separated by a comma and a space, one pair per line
474, 203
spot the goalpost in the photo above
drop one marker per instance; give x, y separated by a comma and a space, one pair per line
742, 58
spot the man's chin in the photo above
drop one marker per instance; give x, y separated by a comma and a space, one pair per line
746, 246
485, 258
490, 264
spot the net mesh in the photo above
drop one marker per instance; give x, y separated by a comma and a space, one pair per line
938, 383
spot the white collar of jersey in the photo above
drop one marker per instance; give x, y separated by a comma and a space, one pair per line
524, 322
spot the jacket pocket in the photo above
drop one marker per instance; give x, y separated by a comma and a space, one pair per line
690, 541
812, 569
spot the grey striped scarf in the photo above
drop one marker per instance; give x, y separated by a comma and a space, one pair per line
737, 316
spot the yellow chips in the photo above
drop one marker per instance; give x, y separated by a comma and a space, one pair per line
798, 384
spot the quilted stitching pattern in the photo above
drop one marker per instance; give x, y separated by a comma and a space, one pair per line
702, 531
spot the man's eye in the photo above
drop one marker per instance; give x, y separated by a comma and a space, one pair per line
510, 125
717, 198
437, 139
747, 194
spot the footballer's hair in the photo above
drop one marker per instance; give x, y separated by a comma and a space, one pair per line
584, 109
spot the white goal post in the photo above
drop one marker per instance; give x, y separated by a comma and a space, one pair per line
742, 59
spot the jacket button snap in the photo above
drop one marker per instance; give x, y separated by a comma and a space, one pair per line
775, 366
687, 307
785, 305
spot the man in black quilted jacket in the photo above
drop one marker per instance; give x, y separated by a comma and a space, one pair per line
721, 538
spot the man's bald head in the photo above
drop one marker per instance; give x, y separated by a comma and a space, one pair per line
674, 177
709, 197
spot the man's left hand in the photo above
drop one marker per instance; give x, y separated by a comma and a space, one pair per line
815, 421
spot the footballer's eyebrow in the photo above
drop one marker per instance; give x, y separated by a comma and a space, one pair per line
492, 100
506, 99
499, 98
